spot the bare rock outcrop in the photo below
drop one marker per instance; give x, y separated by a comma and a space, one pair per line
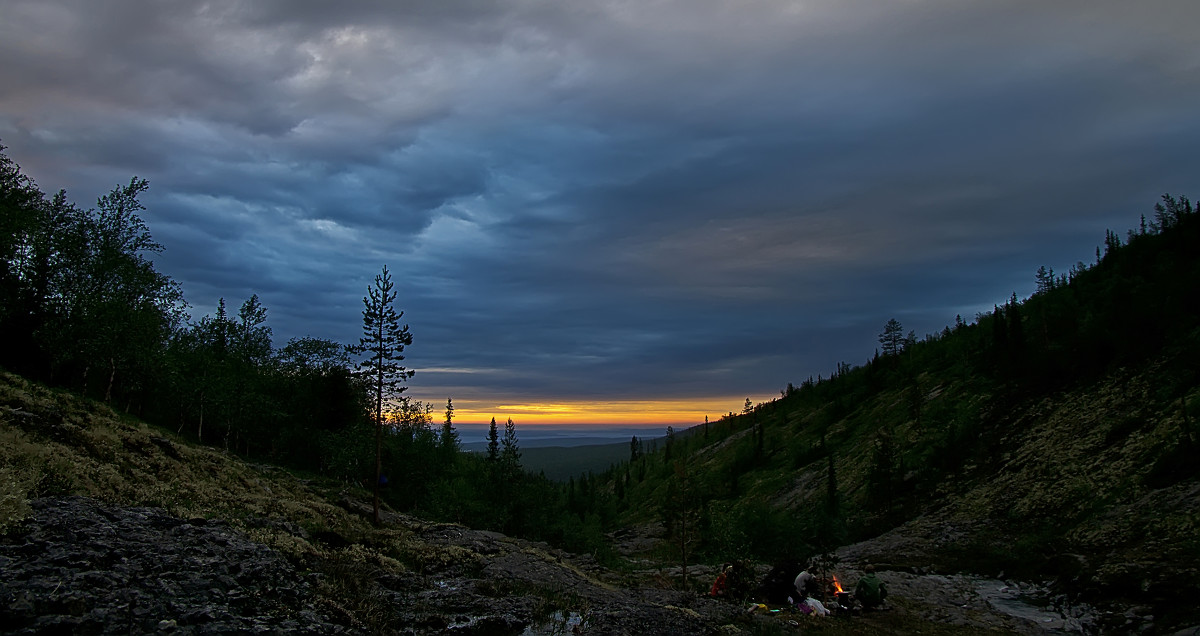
79, 566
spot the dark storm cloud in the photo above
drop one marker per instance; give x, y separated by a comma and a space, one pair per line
623, 199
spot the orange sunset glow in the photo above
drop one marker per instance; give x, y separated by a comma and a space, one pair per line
687, 412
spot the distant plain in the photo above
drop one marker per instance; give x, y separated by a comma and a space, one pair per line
563, 452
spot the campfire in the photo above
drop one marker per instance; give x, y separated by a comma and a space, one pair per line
840, 596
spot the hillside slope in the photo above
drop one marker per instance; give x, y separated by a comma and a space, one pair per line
1052, 440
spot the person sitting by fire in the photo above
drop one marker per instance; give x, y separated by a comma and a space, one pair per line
870, 591
806, 584
720, 587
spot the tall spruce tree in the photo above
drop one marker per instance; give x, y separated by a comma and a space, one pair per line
493, 447
448, 439
382, 343
510, 454
892, 338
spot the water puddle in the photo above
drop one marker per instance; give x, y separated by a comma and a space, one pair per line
559, 623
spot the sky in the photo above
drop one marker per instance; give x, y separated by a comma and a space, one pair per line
611, 211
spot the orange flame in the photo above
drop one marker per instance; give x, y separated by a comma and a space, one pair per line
837, 586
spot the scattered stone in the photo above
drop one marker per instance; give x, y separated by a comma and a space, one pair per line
167, 447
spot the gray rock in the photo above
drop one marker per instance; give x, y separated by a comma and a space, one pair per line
79, 566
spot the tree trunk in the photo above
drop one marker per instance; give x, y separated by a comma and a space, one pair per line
683, 539
182, 419
1187, 423
378, 430
378, 464
112, 374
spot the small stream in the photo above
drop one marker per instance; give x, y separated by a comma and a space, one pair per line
991, 603
1030, 605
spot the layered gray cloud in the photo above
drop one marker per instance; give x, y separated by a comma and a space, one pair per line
612, 199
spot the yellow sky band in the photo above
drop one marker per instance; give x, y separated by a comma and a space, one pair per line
624, 412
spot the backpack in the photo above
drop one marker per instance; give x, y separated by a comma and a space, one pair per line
777, 585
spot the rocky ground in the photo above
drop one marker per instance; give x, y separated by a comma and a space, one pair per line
80, 566
487, 583
925, 598
910, 561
